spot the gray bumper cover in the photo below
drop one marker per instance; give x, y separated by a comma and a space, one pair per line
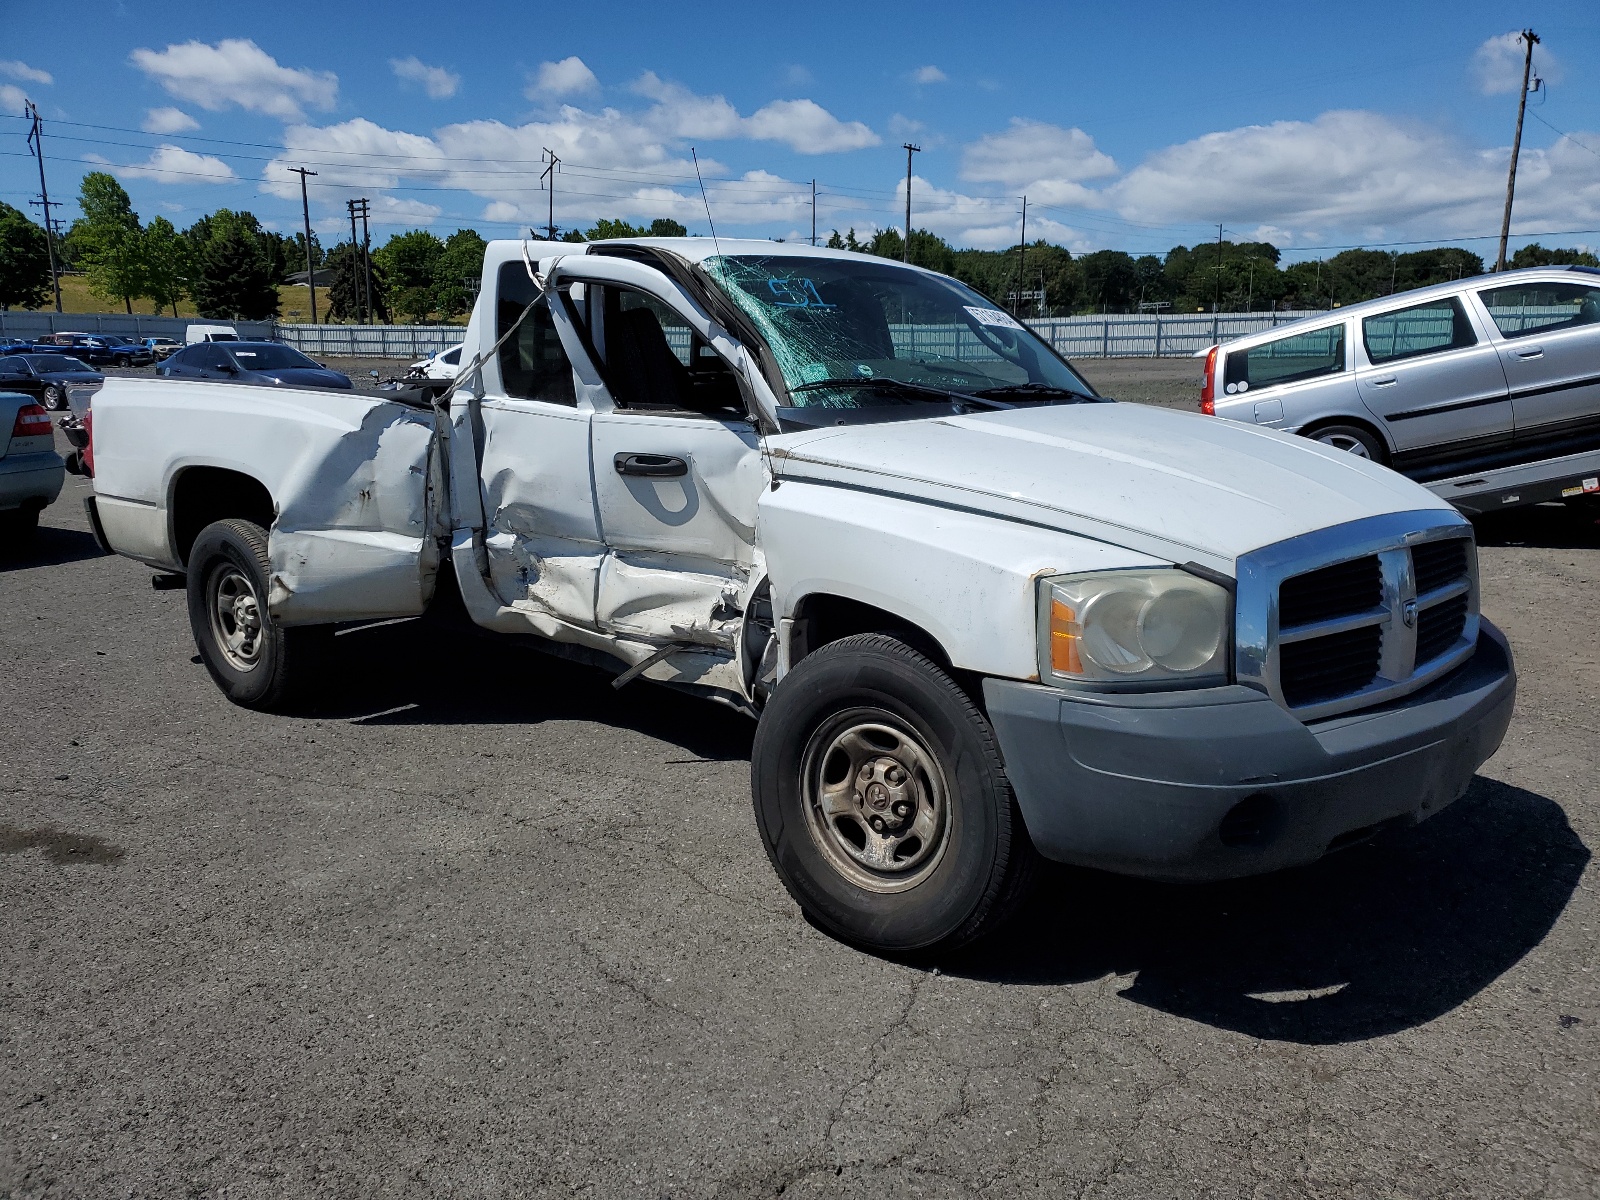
1223, 782
31, 479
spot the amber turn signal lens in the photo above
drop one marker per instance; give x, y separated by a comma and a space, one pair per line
1064, 634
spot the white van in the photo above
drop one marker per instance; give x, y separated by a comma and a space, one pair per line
210, 333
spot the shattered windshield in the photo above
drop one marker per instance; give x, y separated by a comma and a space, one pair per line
849, 334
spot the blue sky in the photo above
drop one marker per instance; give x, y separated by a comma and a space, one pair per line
1133, 127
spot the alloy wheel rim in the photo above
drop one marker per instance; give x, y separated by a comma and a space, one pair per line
237, 627
877, 803
1345, 442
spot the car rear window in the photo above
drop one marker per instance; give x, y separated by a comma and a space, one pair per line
1287, 359
1524, 308
1418, 329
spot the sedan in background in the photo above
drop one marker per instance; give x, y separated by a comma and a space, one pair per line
46, 377
31, 471
251, 362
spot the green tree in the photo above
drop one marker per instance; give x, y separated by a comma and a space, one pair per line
410, 263
169, 265
24, 261
233, 272
1535, 255
345, 293
108, 241
460, 262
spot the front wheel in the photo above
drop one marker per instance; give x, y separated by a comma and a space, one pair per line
883, 802
55, 399
255, 661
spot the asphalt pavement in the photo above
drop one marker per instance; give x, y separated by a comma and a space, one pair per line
474, 924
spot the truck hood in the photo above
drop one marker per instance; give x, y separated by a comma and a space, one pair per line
1180, 486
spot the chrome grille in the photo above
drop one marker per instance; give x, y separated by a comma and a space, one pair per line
1352, 616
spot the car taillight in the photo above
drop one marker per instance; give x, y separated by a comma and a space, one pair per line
88, 450
1208, 388
32, 421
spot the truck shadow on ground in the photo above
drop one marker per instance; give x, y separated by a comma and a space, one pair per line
1379, 938
50, 547
1541, 526
443, 672
1376, 939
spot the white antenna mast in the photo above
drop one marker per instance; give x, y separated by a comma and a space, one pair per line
705, 201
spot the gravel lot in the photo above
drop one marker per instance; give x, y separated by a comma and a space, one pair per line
477, 925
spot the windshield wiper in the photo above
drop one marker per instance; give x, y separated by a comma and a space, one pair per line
881, 383
1031, 389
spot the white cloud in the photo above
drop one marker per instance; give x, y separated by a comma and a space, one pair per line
569, 77
929, 74
439, 83
807, 128
1031, 152
1362, 174
237, 71
173, 164
803, 125
12, 99
903, 126
168, 120
22, 71
1497, 64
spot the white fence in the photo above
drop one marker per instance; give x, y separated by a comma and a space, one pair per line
370, 341
1153, 335
1101, 336
25, 326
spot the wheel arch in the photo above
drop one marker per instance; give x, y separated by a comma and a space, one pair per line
201, 495
823, 617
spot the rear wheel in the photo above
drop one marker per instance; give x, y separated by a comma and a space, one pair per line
256, 662
1352, 439
883, 803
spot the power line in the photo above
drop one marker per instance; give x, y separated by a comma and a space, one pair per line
1568, 136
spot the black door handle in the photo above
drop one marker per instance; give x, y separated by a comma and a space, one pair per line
652, 466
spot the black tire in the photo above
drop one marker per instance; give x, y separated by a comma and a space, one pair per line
55, 397
946, 896
1351, 438
255, 661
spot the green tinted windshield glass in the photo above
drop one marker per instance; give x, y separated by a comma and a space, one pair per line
845, 332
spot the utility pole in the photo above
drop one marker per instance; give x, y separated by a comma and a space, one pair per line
36, 144
311, 267
905, 255
554, 165
1216, 305
355, 263
1530, 39
813, 212
1022, 255
366, 259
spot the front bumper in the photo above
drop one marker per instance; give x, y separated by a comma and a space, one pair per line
1223, 782
31, 480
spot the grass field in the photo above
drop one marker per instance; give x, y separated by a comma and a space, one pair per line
294, 303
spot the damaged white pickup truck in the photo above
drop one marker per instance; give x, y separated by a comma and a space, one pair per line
982, 613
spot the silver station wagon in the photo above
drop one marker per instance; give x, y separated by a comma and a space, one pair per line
1485, 390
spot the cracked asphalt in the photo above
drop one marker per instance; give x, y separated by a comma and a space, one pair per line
476, 925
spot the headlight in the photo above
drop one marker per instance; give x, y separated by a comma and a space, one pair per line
1134, 627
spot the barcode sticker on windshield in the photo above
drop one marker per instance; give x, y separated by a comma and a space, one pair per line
992, 316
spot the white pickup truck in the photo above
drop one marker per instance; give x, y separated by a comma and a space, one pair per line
981, 613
